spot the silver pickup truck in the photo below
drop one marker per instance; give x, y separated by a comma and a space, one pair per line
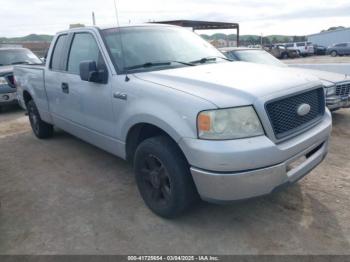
193, 124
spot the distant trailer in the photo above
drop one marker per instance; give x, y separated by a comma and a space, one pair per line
203, 25
330, 38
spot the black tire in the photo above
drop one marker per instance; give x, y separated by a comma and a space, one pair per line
334, 53
163, 177
285, 55
40, 128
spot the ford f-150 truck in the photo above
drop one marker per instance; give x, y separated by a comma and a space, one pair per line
193, 124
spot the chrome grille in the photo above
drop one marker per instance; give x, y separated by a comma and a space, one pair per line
343, 89
283, 113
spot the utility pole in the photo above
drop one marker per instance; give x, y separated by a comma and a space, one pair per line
261, 40
93, 19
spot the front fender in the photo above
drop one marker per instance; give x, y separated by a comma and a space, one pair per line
175, 124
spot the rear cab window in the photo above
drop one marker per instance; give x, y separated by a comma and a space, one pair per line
57, 57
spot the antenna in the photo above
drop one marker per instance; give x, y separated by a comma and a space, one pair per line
121, 41
116, 11
93, 19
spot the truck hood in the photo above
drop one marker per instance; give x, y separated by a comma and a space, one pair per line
328, 78
230, 84
6, 69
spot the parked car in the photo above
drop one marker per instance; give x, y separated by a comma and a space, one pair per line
303, 48
192, 123
337, 86
339, 49
8, 57
320, 50
281, 52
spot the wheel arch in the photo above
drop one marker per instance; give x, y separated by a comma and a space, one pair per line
141, 131
27, 96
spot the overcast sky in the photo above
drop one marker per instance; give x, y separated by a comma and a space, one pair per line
289, 17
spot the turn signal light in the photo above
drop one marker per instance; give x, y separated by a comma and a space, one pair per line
204, 122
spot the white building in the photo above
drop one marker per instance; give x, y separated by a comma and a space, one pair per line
330, 37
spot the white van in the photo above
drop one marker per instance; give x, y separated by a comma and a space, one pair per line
303, 48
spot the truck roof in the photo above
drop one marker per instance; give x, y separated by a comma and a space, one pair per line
114, 26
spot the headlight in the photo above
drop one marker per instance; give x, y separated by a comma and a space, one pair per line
232, 123
3, 81
330, 91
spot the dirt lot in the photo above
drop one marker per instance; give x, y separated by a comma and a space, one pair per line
318, 60
64, 196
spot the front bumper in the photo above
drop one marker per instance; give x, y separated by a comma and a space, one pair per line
336, 102
246, 168
8, 98
219, 187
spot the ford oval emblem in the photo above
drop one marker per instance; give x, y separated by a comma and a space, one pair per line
303, 109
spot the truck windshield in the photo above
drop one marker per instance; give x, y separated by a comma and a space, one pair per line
148, 48
17, 56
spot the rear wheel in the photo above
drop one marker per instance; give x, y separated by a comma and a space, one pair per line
163, 177
40, 128
334, 53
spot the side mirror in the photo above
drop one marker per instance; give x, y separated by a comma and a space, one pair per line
89, 72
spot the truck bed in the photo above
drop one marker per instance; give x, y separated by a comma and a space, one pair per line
33, 78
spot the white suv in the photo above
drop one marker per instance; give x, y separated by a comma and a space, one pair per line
303, 48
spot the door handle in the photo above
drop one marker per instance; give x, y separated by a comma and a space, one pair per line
65, 88
121, 96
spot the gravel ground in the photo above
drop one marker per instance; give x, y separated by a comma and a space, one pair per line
64, 196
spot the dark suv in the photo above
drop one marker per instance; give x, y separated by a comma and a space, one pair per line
8, 58
339, 49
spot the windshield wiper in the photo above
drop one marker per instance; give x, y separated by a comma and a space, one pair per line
209, 59
152, 64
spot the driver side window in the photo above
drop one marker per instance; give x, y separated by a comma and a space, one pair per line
83, 48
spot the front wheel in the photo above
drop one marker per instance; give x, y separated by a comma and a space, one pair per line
163, 177
40, 128
334, 53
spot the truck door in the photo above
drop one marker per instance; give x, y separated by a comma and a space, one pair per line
91, 103
53, 79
